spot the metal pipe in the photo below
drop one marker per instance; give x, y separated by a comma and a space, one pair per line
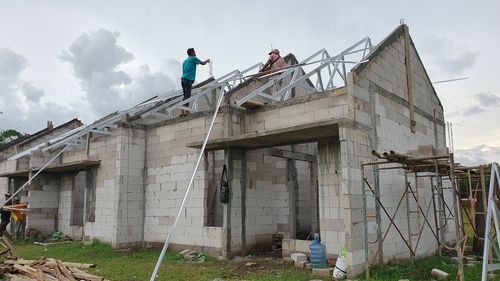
435, 217
169, 235
365, 224
378, 217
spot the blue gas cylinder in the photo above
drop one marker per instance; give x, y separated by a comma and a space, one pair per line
318, 253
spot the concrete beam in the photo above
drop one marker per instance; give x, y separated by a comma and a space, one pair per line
291, 155
276, 137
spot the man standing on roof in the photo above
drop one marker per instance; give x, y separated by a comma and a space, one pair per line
5, 214
274, 62
189, 75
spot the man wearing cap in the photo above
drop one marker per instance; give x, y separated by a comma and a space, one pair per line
274, 62
5, 214
189, 75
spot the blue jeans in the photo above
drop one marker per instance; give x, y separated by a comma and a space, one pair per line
187, 85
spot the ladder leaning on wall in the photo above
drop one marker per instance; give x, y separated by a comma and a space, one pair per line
492, 213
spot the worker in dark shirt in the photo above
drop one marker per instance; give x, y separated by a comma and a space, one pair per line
5, 215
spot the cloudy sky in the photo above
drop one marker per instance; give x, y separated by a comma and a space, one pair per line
66, 59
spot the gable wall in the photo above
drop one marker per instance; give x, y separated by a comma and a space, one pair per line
378, 102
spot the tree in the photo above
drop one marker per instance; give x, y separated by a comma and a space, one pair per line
7, 136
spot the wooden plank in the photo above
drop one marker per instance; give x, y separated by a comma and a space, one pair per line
6, 241
16, 277
88, 277
24, 270
252, 104
65, 271
51, 264
39, 275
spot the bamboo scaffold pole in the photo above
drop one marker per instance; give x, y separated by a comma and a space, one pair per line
438, 169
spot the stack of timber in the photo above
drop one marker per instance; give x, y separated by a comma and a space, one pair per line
45, 269
424, 159
21, 207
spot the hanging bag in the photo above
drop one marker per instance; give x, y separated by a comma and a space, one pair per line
224, 186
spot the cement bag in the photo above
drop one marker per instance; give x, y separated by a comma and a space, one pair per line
340, 266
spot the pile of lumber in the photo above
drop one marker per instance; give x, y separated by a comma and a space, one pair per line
46, 269
21, 207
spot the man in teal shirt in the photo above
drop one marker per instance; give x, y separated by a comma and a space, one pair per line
189, 75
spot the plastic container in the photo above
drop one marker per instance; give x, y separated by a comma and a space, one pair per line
318, 253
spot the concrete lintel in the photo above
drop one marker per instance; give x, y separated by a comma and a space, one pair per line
276, 137
59, 168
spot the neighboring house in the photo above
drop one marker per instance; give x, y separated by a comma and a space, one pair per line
293, 165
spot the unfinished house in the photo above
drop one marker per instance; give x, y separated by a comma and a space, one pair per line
293, 142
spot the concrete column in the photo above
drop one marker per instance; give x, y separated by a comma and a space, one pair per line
354, 149
331, 202
131, 153
233, 230
292, 185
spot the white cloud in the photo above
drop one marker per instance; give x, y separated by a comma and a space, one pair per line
11, 63
487, 99
478, 155
31, 92
21, 102
96, 59
484, 102
447, 56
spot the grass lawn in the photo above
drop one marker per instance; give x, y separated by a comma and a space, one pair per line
138, 265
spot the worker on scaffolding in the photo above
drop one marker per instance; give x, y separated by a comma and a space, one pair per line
5, 214
189, 75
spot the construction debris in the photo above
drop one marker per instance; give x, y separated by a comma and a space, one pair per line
439, 273
46, 269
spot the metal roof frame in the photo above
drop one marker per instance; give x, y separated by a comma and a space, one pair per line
326, 69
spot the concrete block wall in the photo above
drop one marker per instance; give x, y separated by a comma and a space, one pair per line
305, 200
169, 167
71, 187
8, 166
106, 189
298, 111
4, 185
354, 149
379, 107
213, 207
130, 169
43, 200
11, 150
234, 221
331, 197
267, 199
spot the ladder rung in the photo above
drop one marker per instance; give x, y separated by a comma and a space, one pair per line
413, 212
